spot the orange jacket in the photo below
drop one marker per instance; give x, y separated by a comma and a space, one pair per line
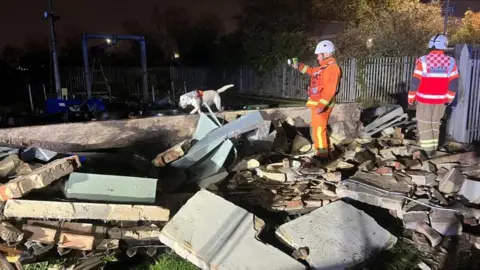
323, 83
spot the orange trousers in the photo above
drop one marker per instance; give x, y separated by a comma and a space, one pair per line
318, 129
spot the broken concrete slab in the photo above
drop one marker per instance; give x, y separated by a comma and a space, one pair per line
445, 222
470, 191
79, 210
228, 236
37, 153
467, 158
439, 196
452, 181
391, 153
421, 178
336, 235
385, 182
412, 213
216, 178
367, 166
431, 234
365, 194
110, 188
39, 178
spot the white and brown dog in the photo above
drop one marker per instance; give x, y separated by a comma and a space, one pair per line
198, 98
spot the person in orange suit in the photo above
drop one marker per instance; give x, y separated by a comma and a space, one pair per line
323, 87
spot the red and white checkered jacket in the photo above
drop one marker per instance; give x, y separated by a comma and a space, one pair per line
435, 79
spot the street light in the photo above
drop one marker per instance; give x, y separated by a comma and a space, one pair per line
109, 40
369, 42
176, 55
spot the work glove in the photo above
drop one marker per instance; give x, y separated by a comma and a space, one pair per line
293, 62
320, 110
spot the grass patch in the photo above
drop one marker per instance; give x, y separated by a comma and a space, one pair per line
42, 266
168, 262
403, 256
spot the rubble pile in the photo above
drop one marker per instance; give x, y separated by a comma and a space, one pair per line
48, 211
51, 206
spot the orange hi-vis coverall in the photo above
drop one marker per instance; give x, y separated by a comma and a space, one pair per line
321, 99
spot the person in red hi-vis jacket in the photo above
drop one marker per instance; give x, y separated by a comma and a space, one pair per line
323, 87
434, 85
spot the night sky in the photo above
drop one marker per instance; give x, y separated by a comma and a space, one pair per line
22, 19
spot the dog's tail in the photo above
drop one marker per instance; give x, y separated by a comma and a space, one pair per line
223, 89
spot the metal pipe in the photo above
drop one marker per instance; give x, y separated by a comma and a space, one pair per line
143, 55
86, 66
44, 92
30, 97
56, 71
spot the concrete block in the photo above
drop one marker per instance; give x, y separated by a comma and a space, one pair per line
382, 181
439, 196
333, 176
137, 233
110, 188
470, 190
445, 222
8, 165
367, 166
421, 178
429, 167
39, 178
467, 158
391, 153
370, 196
10, 233
336, 235
80, 210
212, 233
452, 181
431, 234
413, 213
75, 241
40, 234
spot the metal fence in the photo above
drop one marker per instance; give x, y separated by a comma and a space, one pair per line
375, 79
464, 121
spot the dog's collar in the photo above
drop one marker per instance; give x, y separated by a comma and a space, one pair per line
199, 93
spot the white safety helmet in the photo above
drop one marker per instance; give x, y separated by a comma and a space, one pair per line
439, 42
325, 46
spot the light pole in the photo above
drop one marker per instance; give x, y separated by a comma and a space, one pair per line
48, 14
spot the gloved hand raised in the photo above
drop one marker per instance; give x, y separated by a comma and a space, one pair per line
293, 62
